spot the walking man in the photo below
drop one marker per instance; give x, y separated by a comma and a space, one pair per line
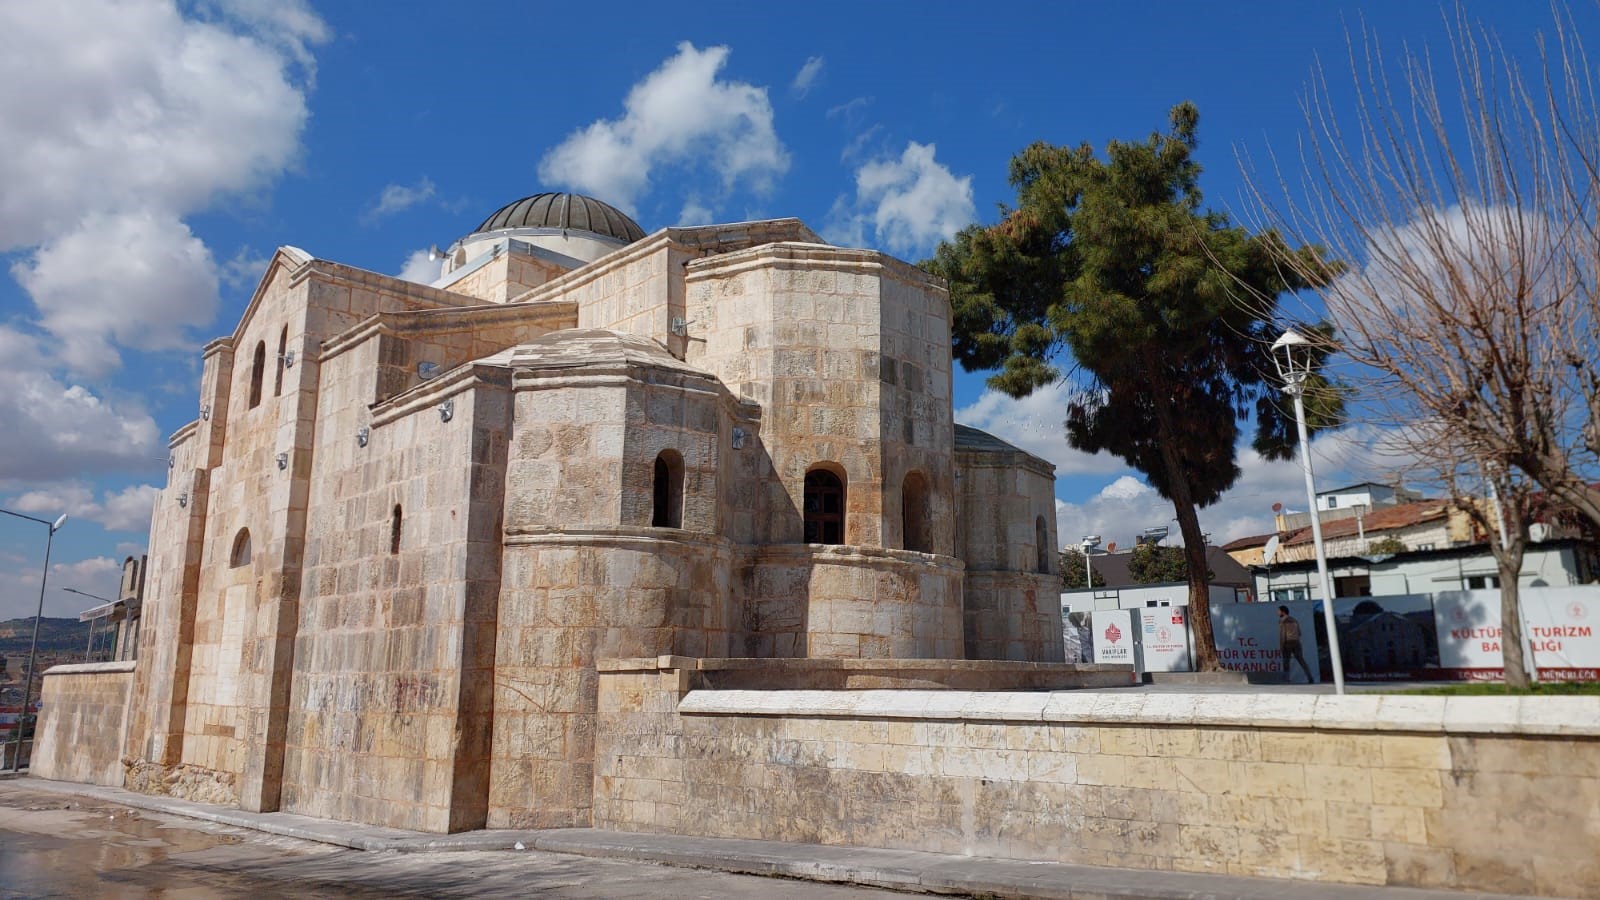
1289, 643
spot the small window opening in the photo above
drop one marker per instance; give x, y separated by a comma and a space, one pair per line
1041, 543
241, 549
283, 347
824, 508
667, 491
256, 372
394, 529
914, 513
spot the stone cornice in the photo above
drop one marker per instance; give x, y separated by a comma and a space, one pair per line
1554, 716
95, 668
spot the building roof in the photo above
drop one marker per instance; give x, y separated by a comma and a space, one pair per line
570, 212
969, 438
1380, 519
1225, 570
1246, 543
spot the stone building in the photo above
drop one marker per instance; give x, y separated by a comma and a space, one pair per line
409, 520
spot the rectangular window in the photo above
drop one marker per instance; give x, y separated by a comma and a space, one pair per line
1333, 502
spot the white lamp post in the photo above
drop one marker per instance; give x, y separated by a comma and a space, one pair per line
33, 649
1090, 541
1292, 354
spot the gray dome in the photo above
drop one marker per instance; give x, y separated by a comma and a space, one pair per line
570, 212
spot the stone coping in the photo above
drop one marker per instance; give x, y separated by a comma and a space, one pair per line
1519, 716
837, 675
95, 668
803, 664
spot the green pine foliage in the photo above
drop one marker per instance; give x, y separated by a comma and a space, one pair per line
1155, 564
1072, 576
1110, 272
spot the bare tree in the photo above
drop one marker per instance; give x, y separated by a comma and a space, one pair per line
1466, 219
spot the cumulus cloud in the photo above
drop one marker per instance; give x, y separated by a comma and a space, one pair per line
803, 79
122, 118
1127, 505
136, 279
19, 587
125, 510
905, 205
1036, 424
681, 116
396, 198
55, 428
421, 267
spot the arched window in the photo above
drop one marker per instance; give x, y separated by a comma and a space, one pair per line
283, 347
824, 507
914, 513
667, 491
394, 529
241, 549
256, 372
1041, 543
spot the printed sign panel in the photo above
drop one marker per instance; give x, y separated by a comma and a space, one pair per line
1113, 636
1164, 634
1247, 637
1561, 622
1387, 638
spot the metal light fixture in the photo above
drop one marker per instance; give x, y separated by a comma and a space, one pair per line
183, 498
447, 410
363, 434
1294, 357
288, 360
283, 461
172, 461
33, 649
205, 411
426, 370
738, 438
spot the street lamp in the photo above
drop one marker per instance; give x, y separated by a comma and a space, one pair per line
1293, 356
1090, 541
88, 653
33, 648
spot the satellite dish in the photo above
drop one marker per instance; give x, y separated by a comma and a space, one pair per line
1270, 551
1277, 507
1111, 547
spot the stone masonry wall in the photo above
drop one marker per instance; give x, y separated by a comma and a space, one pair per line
1470, 793
81, 718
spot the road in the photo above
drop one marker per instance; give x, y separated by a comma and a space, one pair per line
56, 846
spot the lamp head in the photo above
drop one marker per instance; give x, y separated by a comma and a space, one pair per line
1291, 354
58, 523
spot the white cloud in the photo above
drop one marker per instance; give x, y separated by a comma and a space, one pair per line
1036, 423
19, 587
1127, 506
396, 198
138, 279
121, 118
909, 204
125, 510
695, 213
681, 116
56, 429
807, 76
421, 267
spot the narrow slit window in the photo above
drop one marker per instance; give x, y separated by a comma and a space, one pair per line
394, 529
1041, 541
256, 372
241, 549
667, 491
824, 507
283, 348
914, 525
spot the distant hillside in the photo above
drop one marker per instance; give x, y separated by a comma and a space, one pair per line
66, 635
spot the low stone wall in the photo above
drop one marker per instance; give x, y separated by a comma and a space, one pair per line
83, 709
1472, 793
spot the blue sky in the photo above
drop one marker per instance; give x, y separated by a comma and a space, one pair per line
154, 155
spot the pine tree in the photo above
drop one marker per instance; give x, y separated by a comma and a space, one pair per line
1115, 261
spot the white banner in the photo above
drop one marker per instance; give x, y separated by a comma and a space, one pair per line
1247, 636
1113, 636
1164, 635
1560, 620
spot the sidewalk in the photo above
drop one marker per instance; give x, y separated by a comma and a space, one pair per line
904, 870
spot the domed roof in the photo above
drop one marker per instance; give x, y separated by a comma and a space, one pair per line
573, 212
